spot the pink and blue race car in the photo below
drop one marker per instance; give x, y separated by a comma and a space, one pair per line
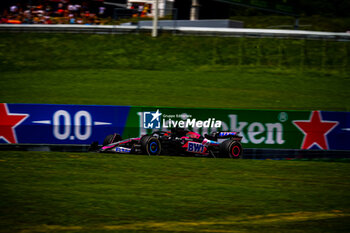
178, 141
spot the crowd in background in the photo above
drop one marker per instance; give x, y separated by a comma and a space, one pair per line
54, 12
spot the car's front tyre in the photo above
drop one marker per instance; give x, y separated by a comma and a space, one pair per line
111, 138
150, 145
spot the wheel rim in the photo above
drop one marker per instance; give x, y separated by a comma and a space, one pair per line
236, 151
153, 147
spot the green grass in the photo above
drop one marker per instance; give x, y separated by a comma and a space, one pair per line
257, 89
174, 71
76, 192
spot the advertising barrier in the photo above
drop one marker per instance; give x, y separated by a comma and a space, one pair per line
83, 124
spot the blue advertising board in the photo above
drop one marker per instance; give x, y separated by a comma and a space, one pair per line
59, 124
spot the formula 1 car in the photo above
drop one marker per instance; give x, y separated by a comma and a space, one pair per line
178, 141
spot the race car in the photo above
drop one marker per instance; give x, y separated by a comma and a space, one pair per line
178, 141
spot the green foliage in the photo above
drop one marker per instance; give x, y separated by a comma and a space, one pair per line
89, 192
79, 51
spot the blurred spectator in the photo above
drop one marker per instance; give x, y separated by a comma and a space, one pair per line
14, 9
101, 10
53, 12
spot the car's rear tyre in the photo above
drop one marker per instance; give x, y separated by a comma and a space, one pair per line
111, 138
150, 145
231, 149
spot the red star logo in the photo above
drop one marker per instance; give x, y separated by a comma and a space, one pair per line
315, 131
8, 123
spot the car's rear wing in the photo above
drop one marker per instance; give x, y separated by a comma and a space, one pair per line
224, 134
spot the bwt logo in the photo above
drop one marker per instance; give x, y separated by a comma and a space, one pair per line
151, 120
195, 147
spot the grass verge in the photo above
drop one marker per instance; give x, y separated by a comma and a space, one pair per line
89, 192
237, 88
